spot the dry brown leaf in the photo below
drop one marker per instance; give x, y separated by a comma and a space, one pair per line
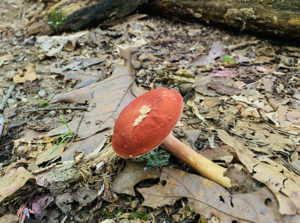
51, 153
106, 98
223, 73
27, 74
222, 152
201, 86
282, 111
203, 60
242, 178
132, 174
223, 86
85, 146
13, 180
9, 218
283, 183
262, 138
268, 82
213, 201
213, 86
294, 117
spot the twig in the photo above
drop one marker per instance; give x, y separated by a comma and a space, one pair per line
2, 122
75, 133
280, 131
243, 45
250, 141
56, 108
7, 96
80, 121
289, 166
15, 125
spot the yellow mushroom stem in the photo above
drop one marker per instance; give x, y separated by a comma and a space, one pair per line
201, 164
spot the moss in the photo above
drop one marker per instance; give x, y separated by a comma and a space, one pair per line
139, 215
156, 158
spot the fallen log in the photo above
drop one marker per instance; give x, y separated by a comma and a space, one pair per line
268, 17
72, 15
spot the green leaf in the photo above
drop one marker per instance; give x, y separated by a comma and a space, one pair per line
43, 104
228, 59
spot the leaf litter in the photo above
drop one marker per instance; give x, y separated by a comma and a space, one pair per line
241, 111
205, 196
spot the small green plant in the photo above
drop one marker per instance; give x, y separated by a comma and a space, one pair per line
105, 213
43, 103
156, 158
55, 19
127, 198
139, 215
62, 138
109, 215
228, 59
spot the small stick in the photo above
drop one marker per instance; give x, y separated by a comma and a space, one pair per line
55, 108
7, 96
243, 45
75, 133
2, 122
289, 166
16, 125
280, 131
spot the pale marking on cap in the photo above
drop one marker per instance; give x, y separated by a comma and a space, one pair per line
143, 114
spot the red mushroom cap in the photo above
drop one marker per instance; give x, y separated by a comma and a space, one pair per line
146, 121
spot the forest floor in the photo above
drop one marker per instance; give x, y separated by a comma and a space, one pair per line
63, 93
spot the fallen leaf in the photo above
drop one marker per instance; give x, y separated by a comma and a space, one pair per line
213, 201
192, 135
223, 86
85, 146
262, 139
293, 116
40, 204
240, 177
201, 86
85, 78
9, 218
6, 59
284, 184
27, 74
218, 153
282, 111
268, 82
133, 173
52, 45
13, 180
49, 154
106, 98
223, 73
215, 52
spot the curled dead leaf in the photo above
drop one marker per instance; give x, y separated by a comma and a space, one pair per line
13, 180
27, 74
284, 184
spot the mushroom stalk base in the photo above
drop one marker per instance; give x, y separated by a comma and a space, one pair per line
201, 164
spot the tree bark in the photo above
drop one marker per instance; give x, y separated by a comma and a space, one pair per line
270, 17
73, 15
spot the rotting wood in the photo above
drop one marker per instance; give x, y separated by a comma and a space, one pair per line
276, 17
73, 15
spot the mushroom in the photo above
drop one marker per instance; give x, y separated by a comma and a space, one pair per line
147, 122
